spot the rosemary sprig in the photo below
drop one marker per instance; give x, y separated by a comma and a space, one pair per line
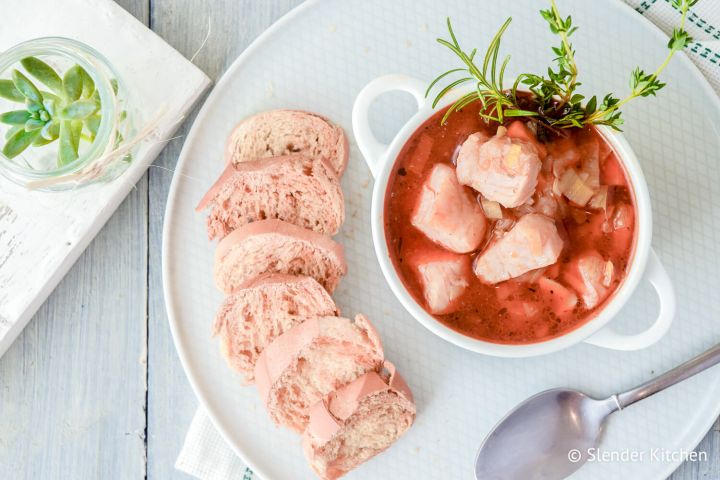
559, 106
68, 113
488, 80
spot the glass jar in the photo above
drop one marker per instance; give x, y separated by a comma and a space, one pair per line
103, 154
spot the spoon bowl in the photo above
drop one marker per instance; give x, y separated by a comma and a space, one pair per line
549, 436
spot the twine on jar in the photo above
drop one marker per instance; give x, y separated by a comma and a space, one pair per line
111, 155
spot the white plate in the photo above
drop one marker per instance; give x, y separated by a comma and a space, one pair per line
317, 58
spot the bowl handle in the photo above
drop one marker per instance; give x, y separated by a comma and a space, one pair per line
657, 276
372, 149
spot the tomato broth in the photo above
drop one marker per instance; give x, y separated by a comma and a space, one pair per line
524, 309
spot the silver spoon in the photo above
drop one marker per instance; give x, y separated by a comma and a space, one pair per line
549, 436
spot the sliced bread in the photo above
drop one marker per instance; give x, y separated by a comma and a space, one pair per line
261, 310
309, 361
355, 423
287, 132
274, 246
301, 190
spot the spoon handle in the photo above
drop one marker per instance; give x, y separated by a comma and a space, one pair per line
677, 374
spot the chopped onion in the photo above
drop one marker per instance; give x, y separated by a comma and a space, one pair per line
525, 209
504, 224
572, 186
532, 126
606, 227
530, 277
599, 201
623, 217
547, 206
530, 309
501, 131
492, 210
591, 167
564, 157
608, 273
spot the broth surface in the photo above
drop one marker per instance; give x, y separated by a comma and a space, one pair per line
515, 311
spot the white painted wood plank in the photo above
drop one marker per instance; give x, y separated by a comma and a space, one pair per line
183, 24
72, 387
45, 234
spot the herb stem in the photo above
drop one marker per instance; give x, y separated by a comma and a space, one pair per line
637, 91
570, 85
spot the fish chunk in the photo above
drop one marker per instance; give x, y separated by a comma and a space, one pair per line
468, 157
446, 214
532, 243
503, 169
591, 276
563, 299
444, 279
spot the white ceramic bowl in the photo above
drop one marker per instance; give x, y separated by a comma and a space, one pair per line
645, 263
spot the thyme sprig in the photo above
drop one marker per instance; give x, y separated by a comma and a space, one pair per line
559, 106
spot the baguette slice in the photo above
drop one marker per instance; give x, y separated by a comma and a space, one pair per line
311, 360
355, 423
261, 310
297, 189
274, 246
287, 132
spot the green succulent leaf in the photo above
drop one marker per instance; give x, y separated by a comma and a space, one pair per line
33, 107
93, 125
73, 83
49, 106
47, 96
26, 87
44, 73
34, 124
12, 131
88, 84
9, 92
51, 131
41, 141
66, 148
76, 128
78, 110
20, 141
16, 117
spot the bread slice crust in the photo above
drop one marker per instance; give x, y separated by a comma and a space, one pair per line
301, 190
262, 309
309, 361
287, 132
353, 424
274, 246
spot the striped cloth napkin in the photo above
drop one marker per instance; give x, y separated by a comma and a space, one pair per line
206, 456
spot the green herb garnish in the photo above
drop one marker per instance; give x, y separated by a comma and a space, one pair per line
558, 104
69, 112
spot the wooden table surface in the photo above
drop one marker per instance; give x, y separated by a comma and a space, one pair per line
93, 388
